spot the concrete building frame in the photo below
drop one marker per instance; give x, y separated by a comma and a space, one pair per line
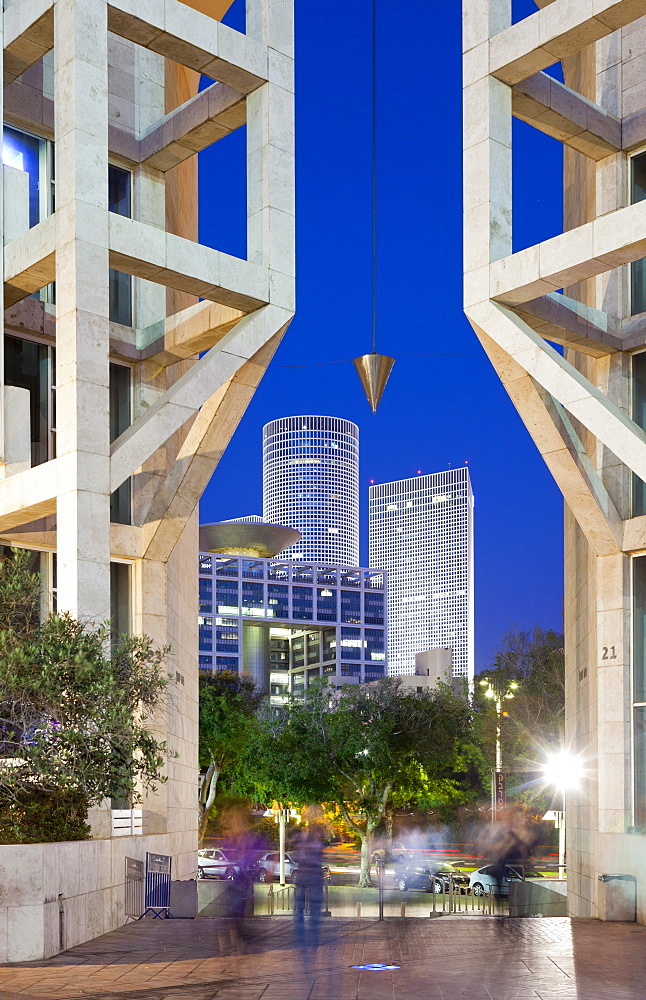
206, 326
573, 290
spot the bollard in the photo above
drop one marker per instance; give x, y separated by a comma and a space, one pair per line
270, 901
402, 909
434, 893
326, 911
381, 864
359, 910
451, 903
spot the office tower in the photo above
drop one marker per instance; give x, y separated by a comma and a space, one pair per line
584, 406
421, 533
285, 622
131, 351
311, 482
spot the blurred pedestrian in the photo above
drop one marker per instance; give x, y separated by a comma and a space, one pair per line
308, 879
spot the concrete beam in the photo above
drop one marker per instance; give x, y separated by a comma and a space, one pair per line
583, 400
194, 40
553, 108
560, 30
594, 248
188, 332
30, 261
28, 36
29, 495
150, 253
209, 116
182, 401
568, 322
200, 454
560, 449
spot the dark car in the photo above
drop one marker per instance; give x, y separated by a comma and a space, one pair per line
431, 878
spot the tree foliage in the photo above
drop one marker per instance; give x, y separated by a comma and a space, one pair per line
228, 704
357, 748
535, 719
74, 715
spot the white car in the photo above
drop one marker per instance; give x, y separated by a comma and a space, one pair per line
484, 880
268, 867
214, 863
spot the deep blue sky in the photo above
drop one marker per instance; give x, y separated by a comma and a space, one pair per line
444, 403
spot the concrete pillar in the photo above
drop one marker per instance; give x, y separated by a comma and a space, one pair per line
82, 326
256, 653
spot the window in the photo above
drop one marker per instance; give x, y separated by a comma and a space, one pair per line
29, 365
351, 606
253, 601
374, 608
119, 600
227, 663
205, 633
226, 597
278, 599
30, 181
120, 202
638, 366
351, 643
206, 596
120, 420
639, 690
329, 644
226, 637
638, 267
325, 605
313, 647
375, 644
302, 604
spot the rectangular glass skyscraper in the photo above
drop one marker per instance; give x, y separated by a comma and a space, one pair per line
421, 533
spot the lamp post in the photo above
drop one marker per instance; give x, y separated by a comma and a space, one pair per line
499, 692
563, 770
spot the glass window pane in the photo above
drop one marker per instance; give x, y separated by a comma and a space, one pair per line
23, 152
638, 267
120, 301
639, 416
639, 629
120, 420
640, 767
27, 365
119, 600
119, 191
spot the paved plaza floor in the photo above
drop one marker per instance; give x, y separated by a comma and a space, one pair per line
446, 958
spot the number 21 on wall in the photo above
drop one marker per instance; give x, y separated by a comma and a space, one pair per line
608, 653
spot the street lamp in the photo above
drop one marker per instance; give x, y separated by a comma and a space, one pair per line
499, 692
563, 770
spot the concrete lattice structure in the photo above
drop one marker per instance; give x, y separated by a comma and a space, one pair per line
582, 289
310, 477
421, 532
104, 87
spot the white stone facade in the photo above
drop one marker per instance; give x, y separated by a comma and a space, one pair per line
582, 290
104, 90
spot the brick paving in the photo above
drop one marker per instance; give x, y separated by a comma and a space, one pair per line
448, 958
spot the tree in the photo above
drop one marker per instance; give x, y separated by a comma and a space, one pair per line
535, 719
228, 704
73, 714
356, 748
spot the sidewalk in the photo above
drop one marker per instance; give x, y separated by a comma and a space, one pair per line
446, 958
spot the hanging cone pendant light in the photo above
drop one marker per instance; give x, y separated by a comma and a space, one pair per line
374, 370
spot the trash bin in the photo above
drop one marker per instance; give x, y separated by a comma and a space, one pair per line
617, 897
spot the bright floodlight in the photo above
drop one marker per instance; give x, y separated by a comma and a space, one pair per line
563, 770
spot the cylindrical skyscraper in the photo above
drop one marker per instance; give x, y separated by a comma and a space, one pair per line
311, 483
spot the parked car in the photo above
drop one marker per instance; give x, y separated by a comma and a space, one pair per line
397, 854
433, 877
267, 867
325, 869
214, 863
484, 879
